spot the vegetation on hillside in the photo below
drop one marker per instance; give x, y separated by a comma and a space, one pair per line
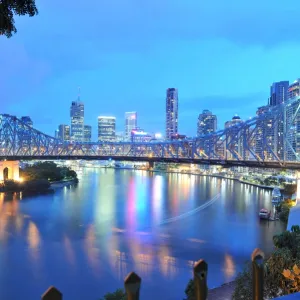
10, 8
119, 294
47, 171
285, 257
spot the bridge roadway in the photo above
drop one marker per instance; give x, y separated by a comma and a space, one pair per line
291, 165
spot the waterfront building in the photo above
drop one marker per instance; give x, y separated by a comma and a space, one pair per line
130, 123
207, 123
87, 133
266, 136
234, 148
139, 135
77, 121
106, 129
294, 89
278, 93
27, 120
292, 148
171, 112
64, 132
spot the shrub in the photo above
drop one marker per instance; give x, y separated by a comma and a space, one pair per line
119, 294
293, 277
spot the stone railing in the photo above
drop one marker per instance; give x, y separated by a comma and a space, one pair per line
132, 282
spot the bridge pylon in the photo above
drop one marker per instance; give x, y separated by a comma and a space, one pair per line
9, 170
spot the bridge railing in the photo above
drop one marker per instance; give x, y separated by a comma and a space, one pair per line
132, 282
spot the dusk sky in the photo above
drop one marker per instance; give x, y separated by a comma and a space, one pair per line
124, 54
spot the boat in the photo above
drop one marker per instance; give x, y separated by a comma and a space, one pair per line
276, 195
123, 166
264, 214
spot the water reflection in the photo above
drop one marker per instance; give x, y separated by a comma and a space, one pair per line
114, 222
229, 267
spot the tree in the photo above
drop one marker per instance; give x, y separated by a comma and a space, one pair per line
119, 294
10, 8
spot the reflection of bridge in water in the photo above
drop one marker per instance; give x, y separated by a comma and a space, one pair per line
267, 140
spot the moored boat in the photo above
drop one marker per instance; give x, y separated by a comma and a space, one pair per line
264, 214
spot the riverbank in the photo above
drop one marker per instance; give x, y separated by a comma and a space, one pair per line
219, 176
63, 183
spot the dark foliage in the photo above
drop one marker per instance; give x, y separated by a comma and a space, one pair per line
10, 8
285, 256
119, 294
47, 171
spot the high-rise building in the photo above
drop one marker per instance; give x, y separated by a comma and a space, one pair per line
56, 134
106, 129
77, 121
292, 148
171, 112
27, 120
234, 148
266, 137
130, 123
278, 93
294, 89
64, 132
87, 133
207, 123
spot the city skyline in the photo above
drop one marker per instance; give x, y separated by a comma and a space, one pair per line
217, 62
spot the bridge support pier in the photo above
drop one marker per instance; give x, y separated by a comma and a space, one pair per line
9, 170
151, 164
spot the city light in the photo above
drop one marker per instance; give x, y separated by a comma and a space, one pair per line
158, 135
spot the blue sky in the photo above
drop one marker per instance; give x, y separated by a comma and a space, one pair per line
124, 54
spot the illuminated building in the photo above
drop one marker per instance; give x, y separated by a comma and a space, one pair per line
87, 133
266, 138
207, 123
278, 93
234, 139
171, 112
77, 121
64, 132
139, 135
130, 124
106, 129
294, 89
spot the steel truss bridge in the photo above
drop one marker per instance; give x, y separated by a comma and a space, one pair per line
271, 139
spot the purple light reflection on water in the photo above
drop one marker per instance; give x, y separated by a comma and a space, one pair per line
85, 239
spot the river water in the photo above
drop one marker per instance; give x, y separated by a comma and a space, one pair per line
85, 239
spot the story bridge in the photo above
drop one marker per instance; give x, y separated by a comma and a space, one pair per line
271, 139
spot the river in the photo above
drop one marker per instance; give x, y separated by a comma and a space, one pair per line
85, 239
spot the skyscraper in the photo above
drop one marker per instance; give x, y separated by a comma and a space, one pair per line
106, 129
87, 133
207, 123
279, 92
64, 132
294, 89
171, 112
130, 124
267, 138
292, 148
234, 137
77, 120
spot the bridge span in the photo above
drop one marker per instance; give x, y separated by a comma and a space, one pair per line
268, 140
